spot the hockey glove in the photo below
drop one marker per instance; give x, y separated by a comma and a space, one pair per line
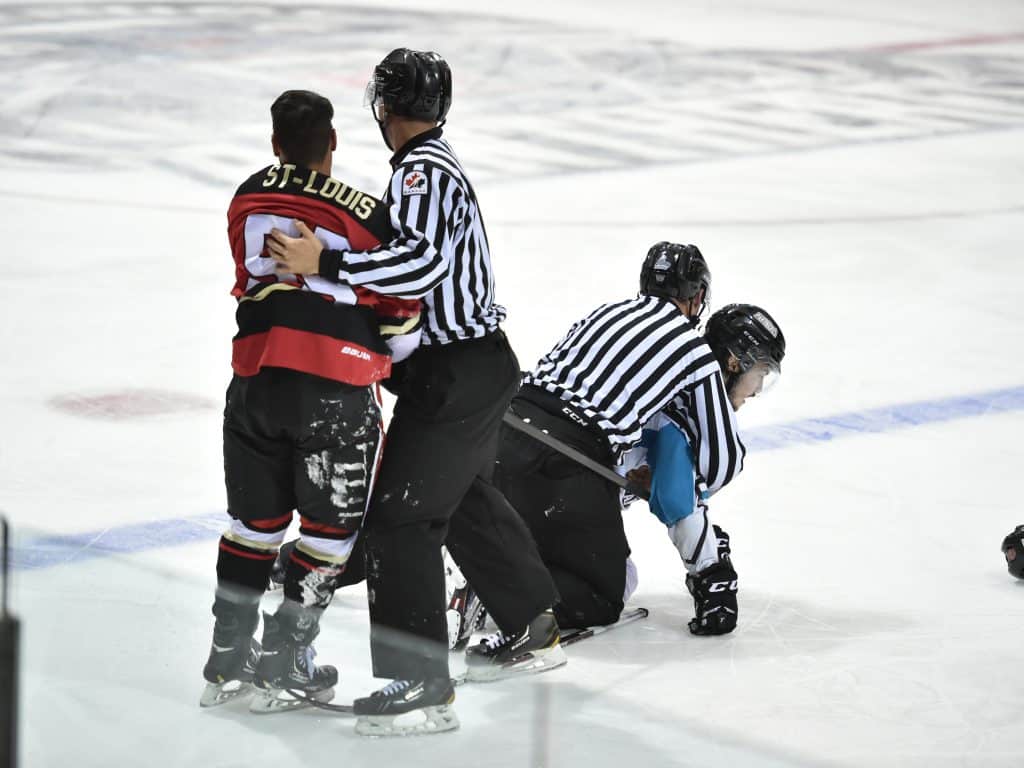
714, 599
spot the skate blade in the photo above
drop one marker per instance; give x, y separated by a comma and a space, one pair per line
267, 701
529, 664
216, 694
419, 722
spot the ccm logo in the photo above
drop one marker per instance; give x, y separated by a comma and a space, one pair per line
724, 586
346, 350
575, 417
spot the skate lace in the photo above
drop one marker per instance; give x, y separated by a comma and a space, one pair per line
395, 686
308, 658
496, 640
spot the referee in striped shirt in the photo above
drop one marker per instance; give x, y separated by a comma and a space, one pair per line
434, 485
595, 391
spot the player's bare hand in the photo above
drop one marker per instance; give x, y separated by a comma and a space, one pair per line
295, 255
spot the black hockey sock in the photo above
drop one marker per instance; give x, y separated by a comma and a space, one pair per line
309, 580
243, 572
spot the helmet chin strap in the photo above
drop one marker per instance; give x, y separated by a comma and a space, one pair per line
383, 134
381, 125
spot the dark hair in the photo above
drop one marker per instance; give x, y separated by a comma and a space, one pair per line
302, 126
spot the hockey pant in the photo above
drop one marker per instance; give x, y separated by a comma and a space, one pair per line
574, 514
293, 441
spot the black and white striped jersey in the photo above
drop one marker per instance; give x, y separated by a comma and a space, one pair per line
627, 361
440, 253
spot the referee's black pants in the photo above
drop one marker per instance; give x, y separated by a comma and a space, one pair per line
573, 513
434, 488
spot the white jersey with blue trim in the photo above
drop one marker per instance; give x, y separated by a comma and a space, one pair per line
678, 493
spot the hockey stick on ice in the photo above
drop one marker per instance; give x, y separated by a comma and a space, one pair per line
569, 637
566, 450
341, 709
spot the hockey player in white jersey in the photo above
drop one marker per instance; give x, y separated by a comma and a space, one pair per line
612, 372
749, 347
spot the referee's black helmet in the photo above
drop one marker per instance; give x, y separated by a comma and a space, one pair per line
674, 271
413, 84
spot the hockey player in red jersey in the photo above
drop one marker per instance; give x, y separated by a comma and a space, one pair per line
302, 423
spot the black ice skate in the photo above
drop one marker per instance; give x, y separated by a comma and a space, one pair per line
286, 664
406, 708
230, 669
534, 649
233, 653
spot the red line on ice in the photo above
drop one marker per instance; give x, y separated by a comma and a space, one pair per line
952, 42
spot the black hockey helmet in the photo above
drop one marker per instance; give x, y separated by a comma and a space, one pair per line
1013, 550
414, 84
674, 271
749, 334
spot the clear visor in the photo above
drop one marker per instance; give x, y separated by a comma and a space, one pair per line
370, 94
769, 376
371, 98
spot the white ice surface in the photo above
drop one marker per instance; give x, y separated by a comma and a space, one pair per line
855, 168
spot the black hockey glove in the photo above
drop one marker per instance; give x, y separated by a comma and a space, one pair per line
714, 598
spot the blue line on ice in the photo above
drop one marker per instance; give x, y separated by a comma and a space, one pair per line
884, 419
45, 551
48, 551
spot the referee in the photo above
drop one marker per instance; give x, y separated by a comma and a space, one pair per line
434, 485
597, 391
